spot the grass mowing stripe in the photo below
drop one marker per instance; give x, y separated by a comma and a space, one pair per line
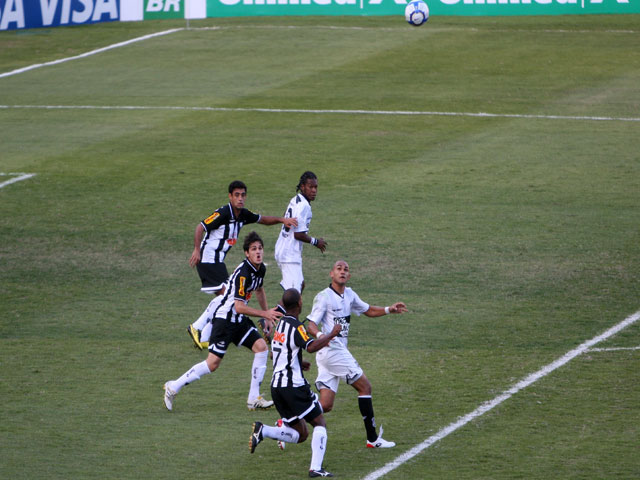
90, 53
329, 111
487, 406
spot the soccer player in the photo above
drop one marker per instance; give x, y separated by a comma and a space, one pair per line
214, 237
232, 325
289, 244
334, 306
290, 390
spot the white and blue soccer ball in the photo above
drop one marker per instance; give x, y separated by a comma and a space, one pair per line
416, 13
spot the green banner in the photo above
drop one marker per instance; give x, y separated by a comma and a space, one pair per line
163, 9
239, 8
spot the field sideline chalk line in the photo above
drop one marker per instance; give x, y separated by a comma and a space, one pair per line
88, 54
20, 176
328, 112
485, 407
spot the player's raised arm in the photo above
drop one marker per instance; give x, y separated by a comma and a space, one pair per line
375, 311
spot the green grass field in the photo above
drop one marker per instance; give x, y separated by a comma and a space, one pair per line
512, 236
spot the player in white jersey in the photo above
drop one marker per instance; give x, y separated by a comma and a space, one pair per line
289, 245
334, 306
290, 391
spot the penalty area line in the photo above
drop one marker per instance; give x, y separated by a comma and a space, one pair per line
487, 406
327, 112
20, 177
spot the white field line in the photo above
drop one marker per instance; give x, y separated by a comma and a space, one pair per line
21, 176
88, 54
326, 112
613, 349
487, 406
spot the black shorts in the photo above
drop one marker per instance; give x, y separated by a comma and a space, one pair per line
212, 276
223, 333
296, 403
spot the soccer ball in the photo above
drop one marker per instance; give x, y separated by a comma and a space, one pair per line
416, 13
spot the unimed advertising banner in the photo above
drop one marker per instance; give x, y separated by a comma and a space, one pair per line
19, 14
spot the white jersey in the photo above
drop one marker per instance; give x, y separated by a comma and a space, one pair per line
329, 308
288, 249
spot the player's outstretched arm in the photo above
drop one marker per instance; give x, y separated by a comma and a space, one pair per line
287, 222
375, 311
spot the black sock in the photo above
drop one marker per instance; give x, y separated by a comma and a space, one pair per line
366, 409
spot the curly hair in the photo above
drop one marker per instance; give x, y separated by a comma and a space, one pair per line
304, 177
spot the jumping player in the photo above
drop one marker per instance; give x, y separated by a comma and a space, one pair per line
289, 244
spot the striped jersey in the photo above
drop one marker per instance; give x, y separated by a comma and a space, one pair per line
289, 339
244, 280
329, 308
288, 249
221, 232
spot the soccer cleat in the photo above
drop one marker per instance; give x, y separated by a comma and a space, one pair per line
319, 473
259, 403
256, 436
194, 333
169, 395
380, 442
281, 445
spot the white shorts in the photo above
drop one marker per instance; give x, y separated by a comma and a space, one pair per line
336, 365
291, 275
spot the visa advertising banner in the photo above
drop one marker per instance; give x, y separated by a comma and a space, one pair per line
19, 14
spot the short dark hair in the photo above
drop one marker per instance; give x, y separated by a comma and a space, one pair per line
237, 184
290, 299
304, 177
252, 237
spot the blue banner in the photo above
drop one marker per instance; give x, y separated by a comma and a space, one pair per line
18, 14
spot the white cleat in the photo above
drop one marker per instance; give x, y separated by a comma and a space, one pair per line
169, 395
380, 442
259, 403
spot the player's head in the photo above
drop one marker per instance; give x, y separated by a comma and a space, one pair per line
237, 194
292, 301
308, 185
253, 248
340, 273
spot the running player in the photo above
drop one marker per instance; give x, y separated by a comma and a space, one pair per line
232, 325
291, 392
334, 306
289, 245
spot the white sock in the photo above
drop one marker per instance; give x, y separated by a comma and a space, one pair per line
318, 447
190, 376
284, 433
207, 315
205, 334
257, 373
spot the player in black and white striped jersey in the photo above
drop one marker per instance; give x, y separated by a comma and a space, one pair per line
232, 325
290, 390
214, 236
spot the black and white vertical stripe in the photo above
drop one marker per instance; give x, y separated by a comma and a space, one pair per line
254, 278
287, 346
